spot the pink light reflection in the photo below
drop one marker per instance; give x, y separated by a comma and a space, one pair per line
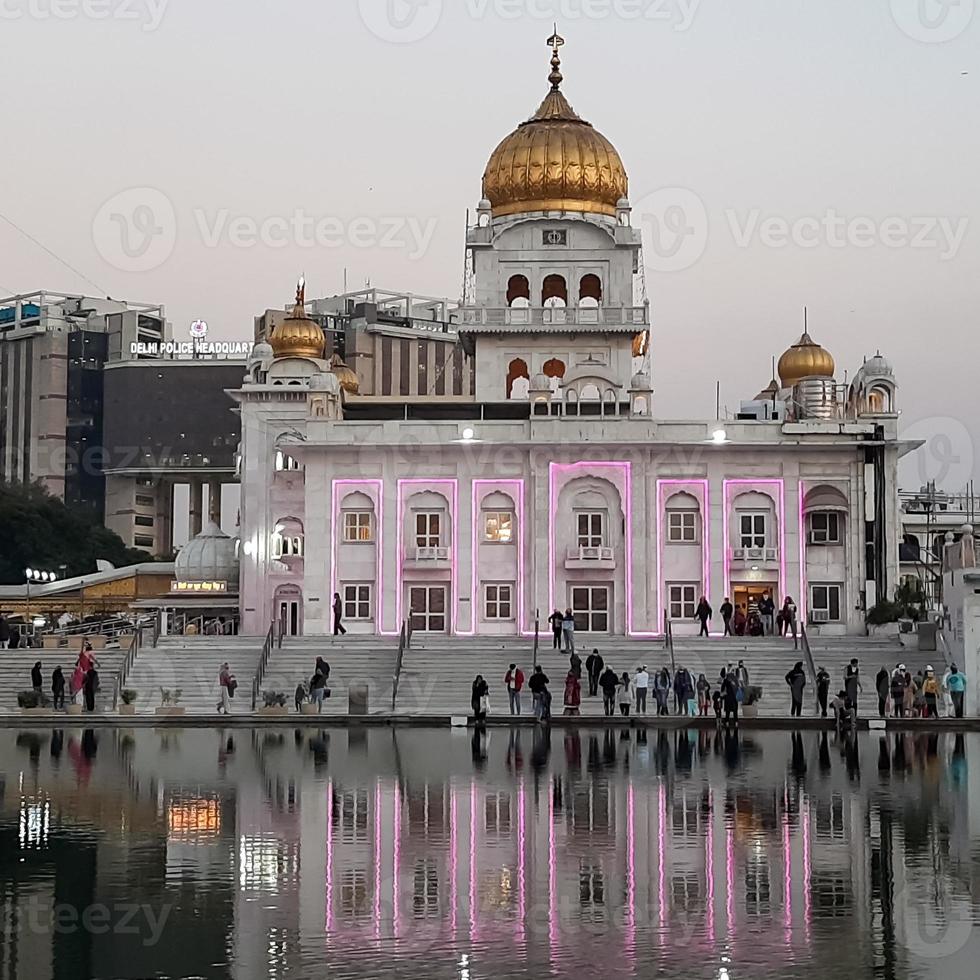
472, 862
730, 882
329, 869
661, 859
521, 864
453, 860
631, 875
807, 867
676, 486
453, 485
377, 860
709, 868
787, 880
627, 467
552, 881
397, 857
521, 545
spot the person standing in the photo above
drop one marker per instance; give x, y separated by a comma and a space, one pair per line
625, 697
703, 615
568, 631
323, 667
58, 689
790, 621
91, 687
318, 689
609, 682
767, 610
4, 633
704, 696
37, 678
514, 682
338, 616
556, 619
593, 667
538, 685
898, 691
683, 690
956, 684
299, 697
729, 691
727, 611
796, 679
480, 698
224, 679
823, 691
742, 676
883, 686
575, 665
573, 695
661, 690
852, 683
642, 684
930, 690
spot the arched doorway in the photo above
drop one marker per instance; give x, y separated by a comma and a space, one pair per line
288, 609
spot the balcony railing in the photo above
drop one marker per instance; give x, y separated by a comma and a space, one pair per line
586, 555
555, 316
431, 554
755, 554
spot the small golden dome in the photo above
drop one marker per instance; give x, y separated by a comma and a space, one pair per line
345, 375
298, 335
556, 161
805, 359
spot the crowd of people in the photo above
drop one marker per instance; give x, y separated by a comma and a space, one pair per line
919, 696
662, 693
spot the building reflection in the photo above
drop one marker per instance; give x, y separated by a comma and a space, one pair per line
522, 851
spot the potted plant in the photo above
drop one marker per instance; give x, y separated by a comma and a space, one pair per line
750, 706
882, 619
32, 702
274, 704
170, 702
128, 698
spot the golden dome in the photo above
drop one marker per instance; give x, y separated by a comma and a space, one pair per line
298, 335
805, 359
556, 161
345, 375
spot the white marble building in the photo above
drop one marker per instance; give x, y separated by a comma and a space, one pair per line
471, 474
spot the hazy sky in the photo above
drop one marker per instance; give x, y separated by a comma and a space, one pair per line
202, 153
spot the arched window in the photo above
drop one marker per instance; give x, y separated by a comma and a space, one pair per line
285, 463
610, 403
590, 291
517, 372
554, 291
288, 539
518, 292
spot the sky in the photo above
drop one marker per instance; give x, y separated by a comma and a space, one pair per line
782, 154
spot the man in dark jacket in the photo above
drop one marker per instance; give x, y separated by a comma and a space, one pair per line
58, 689
852, 683
899, 683
555, 619
703, 615
683, 689
727, 611
4, 633
796, 679
823, 691
767, 610
37, 678
883, 686
593, 667
609, 682
538, 685
338, 616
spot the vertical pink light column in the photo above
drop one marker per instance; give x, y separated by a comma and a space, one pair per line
673, 486
748, 486
453, 487
802, 598
339, 489
558, 469
478, 486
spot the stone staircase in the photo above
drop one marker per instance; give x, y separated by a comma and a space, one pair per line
15, 673
353, 660
438, 671
192, 663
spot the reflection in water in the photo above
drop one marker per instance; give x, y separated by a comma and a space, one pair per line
494, 853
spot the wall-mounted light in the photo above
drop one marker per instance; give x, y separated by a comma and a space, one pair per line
248, 549
719, 437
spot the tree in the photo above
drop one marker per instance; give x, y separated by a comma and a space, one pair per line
36, 529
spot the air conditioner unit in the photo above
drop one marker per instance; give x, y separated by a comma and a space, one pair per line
820, 616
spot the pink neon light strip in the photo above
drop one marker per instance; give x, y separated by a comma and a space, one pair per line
780, 486
337, 532
676, 486
453, 484
560, 468
802, 598
520, 517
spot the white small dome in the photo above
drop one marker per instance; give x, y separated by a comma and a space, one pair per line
261, 351
484, 204
623, 204
878, 365
641, 381
210, 557
326, 381
541, 382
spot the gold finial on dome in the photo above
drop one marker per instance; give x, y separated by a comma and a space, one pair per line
555, 161
556, 77
805, 359
298, 335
